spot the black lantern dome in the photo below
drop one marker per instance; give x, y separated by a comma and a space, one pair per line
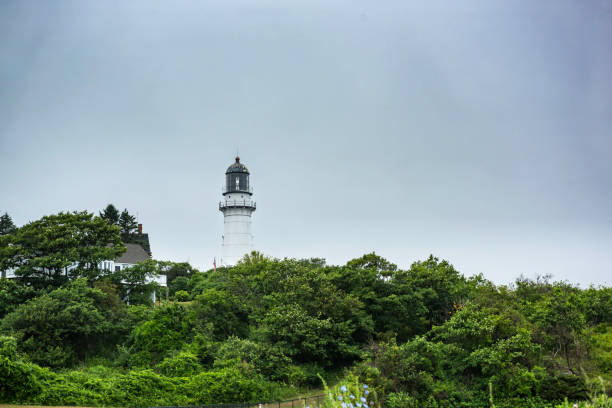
237, 178
237, 167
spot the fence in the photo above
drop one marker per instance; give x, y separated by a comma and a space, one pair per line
312, 402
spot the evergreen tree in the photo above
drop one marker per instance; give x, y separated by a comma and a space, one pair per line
59, 247
127, 222
6, 225
110, 214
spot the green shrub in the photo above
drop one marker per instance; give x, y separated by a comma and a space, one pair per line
66, 325
178, 284
226, 313
154, 339
554, 388
264, 358
401, 400
232, 384
181, 365
8, 347
601, 347
181, 295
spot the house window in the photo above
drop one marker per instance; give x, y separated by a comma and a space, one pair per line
117, 268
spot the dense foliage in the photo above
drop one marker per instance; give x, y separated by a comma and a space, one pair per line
60, 247
265, 328
126, 221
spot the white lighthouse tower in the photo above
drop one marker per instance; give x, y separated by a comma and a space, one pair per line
237, 208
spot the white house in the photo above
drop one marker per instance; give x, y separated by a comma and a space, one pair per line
135, 253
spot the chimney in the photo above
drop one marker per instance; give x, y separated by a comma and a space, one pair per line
139, 229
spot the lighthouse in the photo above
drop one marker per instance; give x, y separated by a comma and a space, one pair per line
237, 206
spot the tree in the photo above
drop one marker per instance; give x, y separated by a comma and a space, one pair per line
253, 258
174, 270
380, 265
65, 325
440, 287
136, 284
559, 321
388, 298
225, 311
179, 284
6, 225
599, 305
58, 247
301, 336
13, 294
166, 331
110, 214
127, 222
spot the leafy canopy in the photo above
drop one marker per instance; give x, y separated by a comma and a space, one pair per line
110, 214
60, 247
6, 224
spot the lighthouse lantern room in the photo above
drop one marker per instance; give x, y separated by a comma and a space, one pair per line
237, 207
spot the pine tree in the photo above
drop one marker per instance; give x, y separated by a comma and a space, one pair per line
127, 222
6, 224
110, 214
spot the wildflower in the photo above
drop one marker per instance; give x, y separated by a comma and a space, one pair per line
339, 397
366, 405
344, 405
363, 399
343, 388
366, 392
365, 387
352, 396
358, 404
350, 405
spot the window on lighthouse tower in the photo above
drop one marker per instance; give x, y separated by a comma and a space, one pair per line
237, 183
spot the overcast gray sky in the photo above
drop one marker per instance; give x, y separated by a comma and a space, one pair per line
479, 131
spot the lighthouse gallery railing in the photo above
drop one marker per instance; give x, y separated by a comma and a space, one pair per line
237, 203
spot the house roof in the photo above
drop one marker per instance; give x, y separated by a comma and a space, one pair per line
142, 239
134, 254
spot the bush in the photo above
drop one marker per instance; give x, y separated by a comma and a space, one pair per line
13, 294
25, 382
401, 400
265, 359
19, 380
66, 325
164, 333
183, 364
554, 388
181, 295
224, 311
233, 384
179, 284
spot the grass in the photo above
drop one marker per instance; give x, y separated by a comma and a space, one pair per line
36, 406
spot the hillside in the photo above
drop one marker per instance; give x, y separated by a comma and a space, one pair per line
266, 328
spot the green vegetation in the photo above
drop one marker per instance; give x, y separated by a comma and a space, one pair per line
44, 251
125, 220
268, 329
